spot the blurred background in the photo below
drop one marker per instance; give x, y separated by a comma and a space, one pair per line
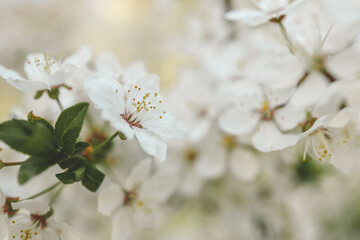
131, 29
167, 35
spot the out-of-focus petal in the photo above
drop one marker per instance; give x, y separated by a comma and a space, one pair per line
239, 121
110, 198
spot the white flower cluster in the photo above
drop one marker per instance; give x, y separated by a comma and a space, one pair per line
268, 103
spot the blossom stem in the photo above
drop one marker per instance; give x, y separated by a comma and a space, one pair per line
286, 36
331, 78
9, 164
106, 141
56, 195
44, 191
228, 7
302, 79
59, 103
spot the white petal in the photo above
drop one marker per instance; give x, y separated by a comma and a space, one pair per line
239, 121
289, 117
295, 6
211, 164
28, 85
118, 122
19, 82
58, 78
4, 227
319, 123
191, 183
110, 198
122, 225
138, 175
105, 92
47, 234
33, 206
151, 144
133, 73
268, 138
248, 16
79, 59
63, 230
9, 74
246, 93
341, 118
244, 165
167, 126
149, 82
279, 95
159, 187
34, 67
309, 91
108, 65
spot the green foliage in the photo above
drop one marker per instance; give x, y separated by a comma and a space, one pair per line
53, 93
38, 94
48, 146
80, 147
30, 138
36, 119
34, 166
68, 126
80, 169
92, 178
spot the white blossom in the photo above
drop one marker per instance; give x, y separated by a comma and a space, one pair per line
267, 10
134, 107
45, 72
333, 138
34, 220
135, 205
262, 113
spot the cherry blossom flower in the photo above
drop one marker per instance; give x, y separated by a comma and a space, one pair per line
135, 204
263, 114
333, 138
134, 107
267, 11
45, 72
34, 220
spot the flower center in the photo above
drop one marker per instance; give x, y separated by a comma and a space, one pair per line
229, 142
309, 122
141, 106
190, 155
130, 197
267, 113
39, 219
47, 64
133, 122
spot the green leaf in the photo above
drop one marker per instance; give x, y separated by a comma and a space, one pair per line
68, 126
92, 178
53, 93
81, 146
73, 174
79, 169
38, 94
36, 119
30, 138
34, 166
69, 162
122, 135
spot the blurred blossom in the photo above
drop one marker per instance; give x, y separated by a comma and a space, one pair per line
265, 142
